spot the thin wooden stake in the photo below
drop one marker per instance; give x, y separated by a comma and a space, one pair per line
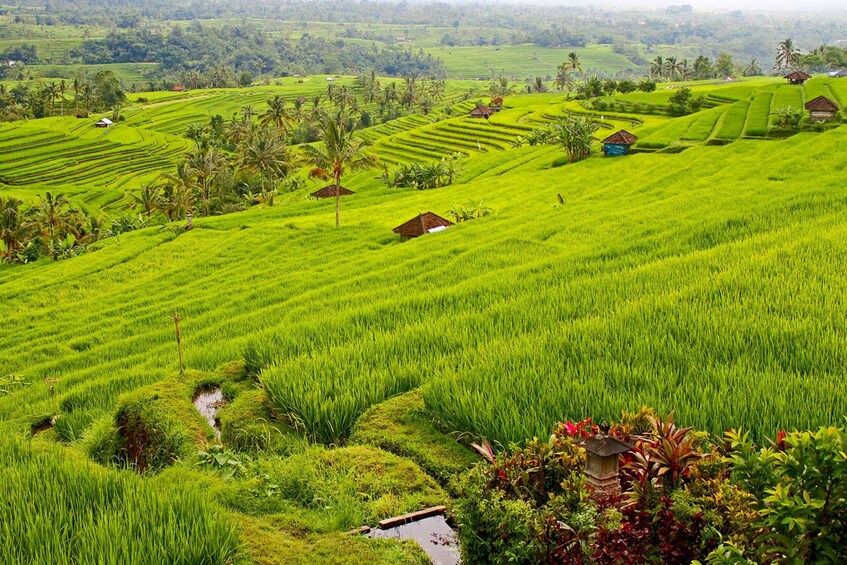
177, 319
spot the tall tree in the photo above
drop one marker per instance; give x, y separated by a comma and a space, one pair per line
277, 114
564, 77
340, 152
573, 63
787, 55
265, 154
14, 227
657, 68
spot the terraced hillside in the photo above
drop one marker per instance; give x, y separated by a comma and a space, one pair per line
95, 166
705, 283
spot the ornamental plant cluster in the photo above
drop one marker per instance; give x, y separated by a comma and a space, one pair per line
686, 498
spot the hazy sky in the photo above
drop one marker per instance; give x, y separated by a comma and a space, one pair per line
793, 5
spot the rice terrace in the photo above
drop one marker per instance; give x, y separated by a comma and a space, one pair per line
411, 282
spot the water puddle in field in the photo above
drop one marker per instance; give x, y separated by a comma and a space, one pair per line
41, 426
208, 402
433, 534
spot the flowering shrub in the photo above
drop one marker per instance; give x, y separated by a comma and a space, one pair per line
686, 499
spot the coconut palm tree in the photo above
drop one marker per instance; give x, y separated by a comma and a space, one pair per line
148, 198
573, 63
14, 227
436, 89
657, 68
205, 162
410, 91
277, 114
753, 68
178, 191
564, 77
50, 93
51, 213
340, 152
787, 55
76, 87
264, 154
537, 86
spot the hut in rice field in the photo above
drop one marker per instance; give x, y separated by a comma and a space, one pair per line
331, 191
619, 143
482, 112
822, 109
797, 77
422, 225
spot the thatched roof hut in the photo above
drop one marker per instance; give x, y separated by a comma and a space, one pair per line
421, 225
482, 112
331, 191
618, 143
822, 109
797, 77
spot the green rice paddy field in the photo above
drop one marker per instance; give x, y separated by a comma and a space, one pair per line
708, 282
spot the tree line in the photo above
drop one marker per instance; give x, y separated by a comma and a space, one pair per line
245, 48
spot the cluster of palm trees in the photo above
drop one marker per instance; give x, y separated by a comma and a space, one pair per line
84, 94
254, 157
51, 227
412, 93
210, 180
567, 71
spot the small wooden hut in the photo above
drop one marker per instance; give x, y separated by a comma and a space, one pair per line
104, 123
422, 225
482, 112
797, 77
331, 191
177, 88
618, 143
822, 109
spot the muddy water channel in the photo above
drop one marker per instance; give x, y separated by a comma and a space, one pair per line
433, 534
208, 402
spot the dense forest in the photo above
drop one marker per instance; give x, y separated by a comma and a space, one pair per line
245, 48
744, 34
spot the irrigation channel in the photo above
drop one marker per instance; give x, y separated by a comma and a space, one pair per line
208, 402
429, 529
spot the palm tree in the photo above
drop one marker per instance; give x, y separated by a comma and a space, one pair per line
573, 63
410, 91
277, 114
436, 90
51, 212
63, 87
657, 68
76, 87
50, 93
339, 152
753, 69
178, 192
671, 68
501, 87
14, 229
264, 154
247, 112
786, 54
205, 162
537, 86
564, 77
148, 198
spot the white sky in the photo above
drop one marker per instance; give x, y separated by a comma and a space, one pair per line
706, 5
